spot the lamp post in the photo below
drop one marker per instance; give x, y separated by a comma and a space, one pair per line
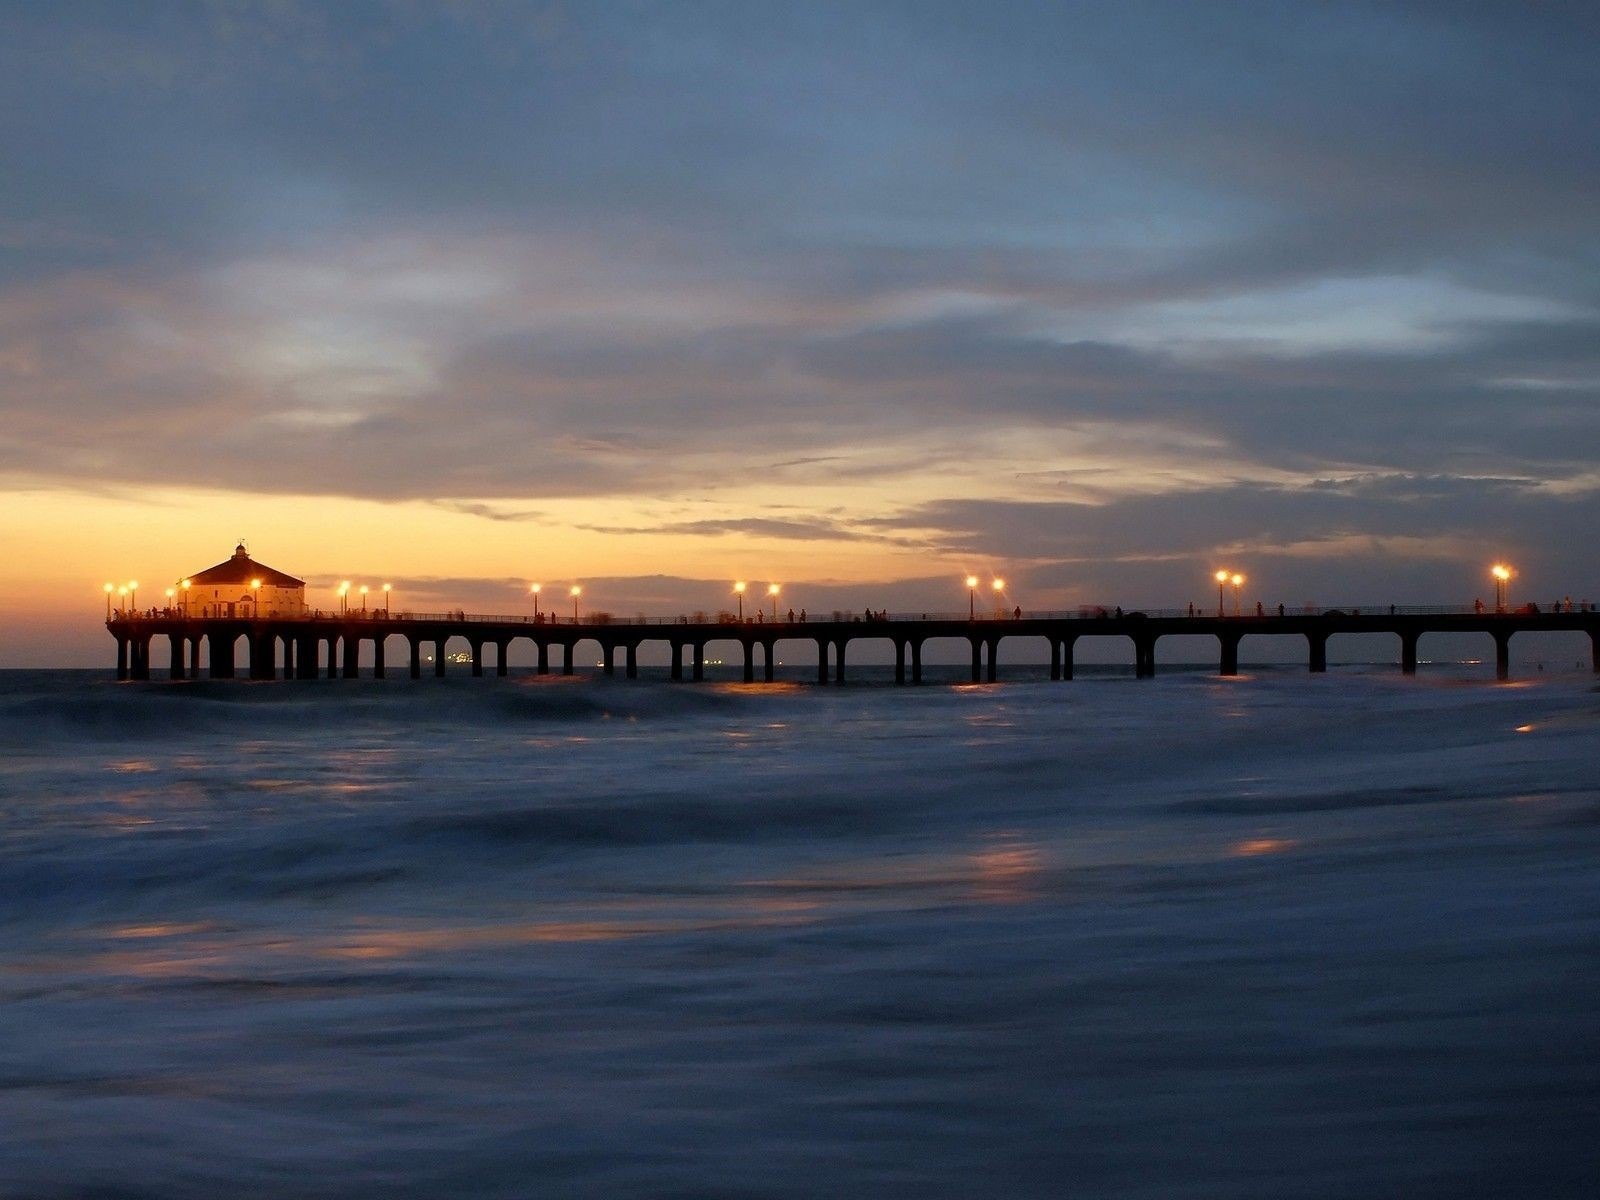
363, 599
109, 590
739, 591
1222, 582
999, 585
344, 597
133, 593
122, 595
972, 597
1502, 578
186, 585
171, 592
772, 590
576, 592
533, 590
387, 588
255, 599
1238, 582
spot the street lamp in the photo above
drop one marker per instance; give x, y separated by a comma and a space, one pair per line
1238, 582
363, 598
972, 597
133, 593
739, 589
171, 592
772, 590
344, 592
122, 595
1222, 582
255, 599
387, 588
185, 585
1502, 577
999, 585
533, 590
109, 590
576, 592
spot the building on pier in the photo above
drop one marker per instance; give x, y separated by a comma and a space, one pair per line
241, 587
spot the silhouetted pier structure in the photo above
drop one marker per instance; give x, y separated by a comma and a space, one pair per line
312, 646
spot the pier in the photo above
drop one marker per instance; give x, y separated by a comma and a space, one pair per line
318, 645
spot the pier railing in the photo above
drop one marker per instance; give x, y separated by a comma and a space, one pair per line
866, 617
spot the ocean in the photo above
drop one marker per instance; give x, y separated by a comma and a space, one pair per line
1274, 936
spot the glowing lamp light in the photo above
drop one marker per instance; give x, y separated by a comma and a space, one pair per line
773, 590
738, 588
999, 585
972, 581
1502, 577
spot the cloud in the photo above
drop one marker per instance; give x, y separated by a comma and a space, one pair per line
1097, 283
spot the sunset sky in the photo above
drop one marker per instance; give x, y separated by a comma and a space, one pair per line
857, 298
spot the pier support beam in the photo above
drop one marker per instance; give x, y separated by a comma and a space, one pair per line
994, 654
838, 659
900, 661
977, 660
1144, 657
177, 641
352, 657
1502, 656
1319, 652
916, 662
333, 658
139, 668
677, 661
1055, 659
1594, 651
768, 650
122, 658
501, 649
822, 660
221, 656
263, 651
1067, 647
749, 661
1230, 652
416, 657
631, 662
477, 659
438, 657
544, 658
377, 656
194, 656
1408, 653
569, 651
699, 661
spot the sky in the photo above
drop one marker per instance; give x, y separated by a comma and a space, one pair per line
856, 297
